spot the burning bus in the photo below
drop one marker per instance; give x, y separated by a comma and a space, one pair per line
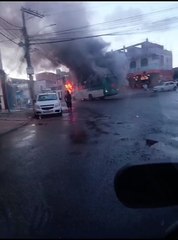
97, 87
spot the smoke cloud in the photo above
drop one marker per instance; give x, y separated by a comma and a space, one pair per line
84, 57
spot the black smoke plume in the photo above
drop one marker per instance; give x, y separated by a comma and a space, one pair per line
84, 57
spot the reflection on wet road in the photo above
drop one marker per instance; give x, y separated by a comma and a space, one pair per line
57, 173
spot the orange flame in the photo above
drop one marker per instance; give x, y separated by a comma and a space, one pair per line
69, 87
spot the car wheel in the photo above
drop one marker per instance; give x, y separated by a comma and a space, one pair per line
90, 97
60, 114
101, 98
175, 88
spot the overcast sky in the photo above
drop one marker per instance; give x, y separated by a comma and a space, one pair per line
167, 37
160, 27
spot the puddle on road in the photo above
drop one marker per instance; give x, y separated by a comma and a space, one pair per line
33, 131
25, 141
167, 149
78, 136
22, 144
92, 124
28, 137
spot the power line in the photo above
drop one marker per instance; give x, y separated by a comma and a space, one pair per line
8, 38
123, 25
136, 20
42, 53
64, 39
13, 29
165, 23
119, 19
99, 35
151, 25
5, 25
10, 33
78, 38
60, 12
78, 31
72, 10
10, 23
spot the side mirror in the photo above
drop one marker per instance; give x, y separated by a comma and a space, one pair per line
148, 185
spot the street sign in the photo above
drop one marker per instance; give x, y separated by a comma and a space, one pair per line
30, 70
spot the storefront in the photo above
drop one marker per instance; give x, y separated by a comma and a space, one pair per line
151, 78
138, 80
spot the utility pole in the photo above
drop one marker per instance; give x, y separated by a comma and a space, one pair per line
26, 45
4, 90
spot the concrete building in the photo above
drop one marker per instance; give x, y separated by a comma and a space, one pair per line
47, 80
2, 76
18, 94
63, 78
1, 67
14, 93
2, 85
150, 60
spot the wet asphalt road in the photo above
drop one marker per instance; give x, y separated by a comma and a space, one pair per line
56, 174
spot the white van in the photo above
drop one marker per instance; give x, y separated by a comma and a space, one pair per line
48, 103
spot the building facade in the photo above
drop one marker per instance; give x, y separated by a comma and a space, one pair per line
2, 76
2, 88
52, 81
47, 80
18, 93
148, 62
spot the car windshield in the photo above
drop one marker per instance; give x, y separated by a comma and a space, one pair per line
47, 97
85, 90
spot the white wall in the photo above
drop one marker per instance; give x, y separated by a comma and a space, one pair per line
1, 97
39, 86
154, 64
163, 62
1, 67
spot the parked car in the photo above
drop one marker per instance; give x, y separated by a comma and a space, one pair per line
166, 86
48, 103
176, 80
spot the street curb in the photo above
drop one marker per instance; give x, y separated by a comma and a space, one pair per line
22, 125
13, 120
16, 128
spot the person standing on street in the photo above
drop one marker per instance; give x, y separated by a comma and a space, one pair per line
68, 100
